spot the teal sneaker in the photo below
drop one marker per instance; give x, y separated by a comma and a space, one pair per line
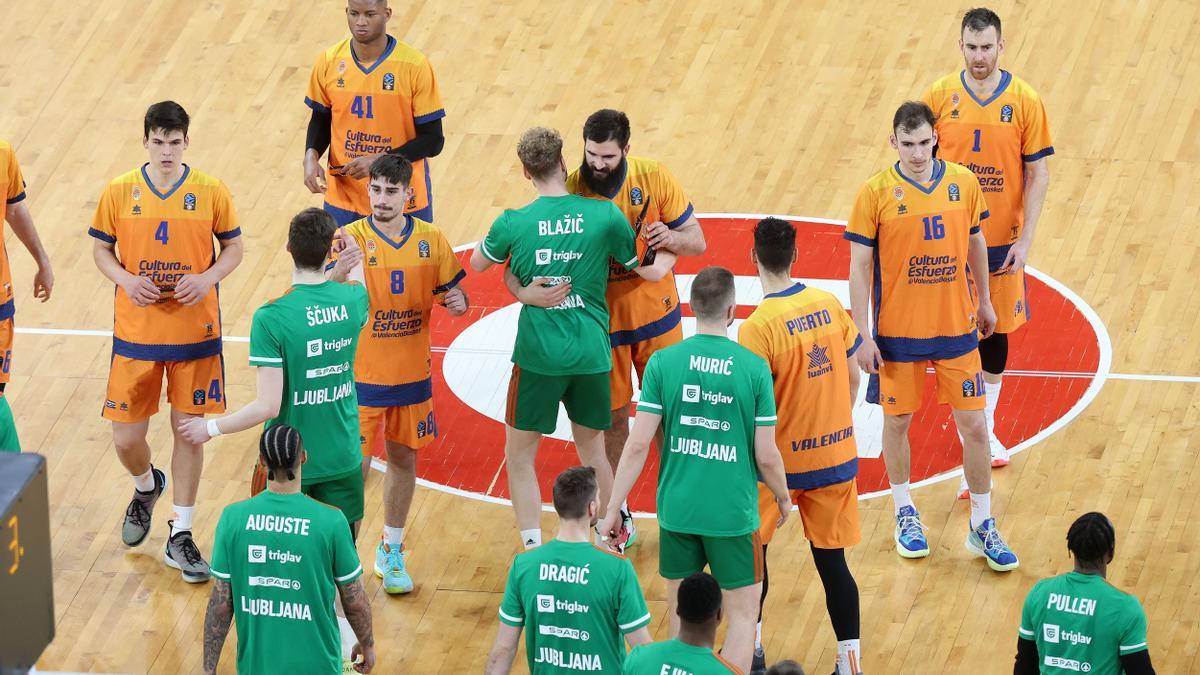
389, 566
910, 534
986, 541
627, 524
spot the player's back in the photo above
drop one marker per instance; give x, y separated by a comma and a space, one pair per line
576, 602
1079, 619
807, 339
921, 237
311, 332
163, 236
675, 656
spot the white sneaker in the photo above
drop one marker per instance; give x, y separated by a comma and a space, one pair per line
999, 452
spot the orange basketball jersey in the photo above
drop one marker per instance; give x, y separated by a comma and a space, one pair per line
921, 300
404, 278
993, 137
807, 338
163, 236
375, 107
12, 188
640, 309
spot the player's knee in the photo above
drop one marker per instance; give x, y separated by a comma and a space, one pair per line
897, 423
972, 425
993, 353
401, 457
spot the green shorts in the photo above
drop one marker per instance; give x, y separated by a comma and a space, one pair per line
344, 491
8, 428
533, 400
734, 561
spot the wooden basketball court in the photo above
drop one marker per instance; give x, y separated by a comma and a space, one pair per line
757, 107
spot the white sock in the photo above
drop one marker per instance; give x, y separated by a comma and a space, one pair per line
901, 496
992, 394
183, 519
981, 508
393, 536
758, 635
144, 482
531, 538
848, 661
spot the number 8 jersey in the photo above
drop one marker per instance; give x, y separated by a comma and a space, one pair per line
921, 301
163, 236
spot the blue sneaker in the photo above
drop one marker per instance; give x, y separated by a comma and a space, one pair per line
389, 566
910, 534
986, 541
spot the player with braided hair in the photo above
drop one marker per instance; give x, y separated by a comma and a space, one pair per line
1078, 622
277, 559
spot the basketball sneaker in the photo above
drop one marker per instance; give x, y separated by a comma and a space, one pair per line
183, 555
758, 664
628, 526
389, 566
986, 541
999, 452
910, 534
137, 515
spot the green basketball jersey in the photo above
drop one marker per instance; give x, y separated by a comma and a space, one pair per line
1082, 624
575, 602
675, 658
569, 239
8, 428
711, 393
312, 333
283, 555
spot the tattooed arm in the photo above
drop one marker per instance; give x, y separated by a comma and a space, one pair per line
216, 623
358, 613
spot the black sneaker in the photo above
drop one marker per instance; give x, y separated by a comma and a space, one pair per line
758, 665
183, 555
141, 507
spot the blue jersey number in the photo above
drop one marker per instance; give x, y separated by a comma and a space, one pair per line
363, 107
978, 134
214, 391
161, 233
397, 282
934, 227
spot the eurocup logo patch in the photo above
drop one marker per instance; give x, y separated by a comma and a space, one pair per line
635, 196
198, 397
968, 388
189, 202
954, 194
423, 249
954, 99
1006, 113
389, 82
898, 192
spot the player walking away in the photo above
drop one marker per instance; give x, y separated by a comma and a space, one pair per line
786, 667
1078, 622
714, 402
809, 340
995, 124
161, 219
371, 95
14, 209
562, 353
303, 345
408, 266
576, 600
277, 559
698, 606
914, 233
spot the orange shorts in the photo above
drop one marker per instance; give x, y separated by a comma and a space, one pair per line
410, 425
829, 514
628, 357
195, 387
6, 345
900, 385
1010, 301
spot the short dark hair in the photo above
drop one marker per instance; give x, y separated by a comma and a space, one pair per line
607, 125
786, 667
712, 292
699, 598
310, 237
165, 116
775, 244
979, 19
1091, 538
911, 115
574, 489
280, 448
392, 168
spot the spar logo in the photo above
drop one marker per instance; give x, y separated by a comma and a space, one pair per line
1057, 363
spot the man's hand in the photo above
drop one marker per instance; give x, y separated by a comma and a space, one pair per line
141, 290
192, 288
350, 255
314, 175
359, 167
194, 430
985, 318
659, 236
1014, 262
542, 293
868, 355
368, 657
785, 509
43, 282
610, 527
455, 302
